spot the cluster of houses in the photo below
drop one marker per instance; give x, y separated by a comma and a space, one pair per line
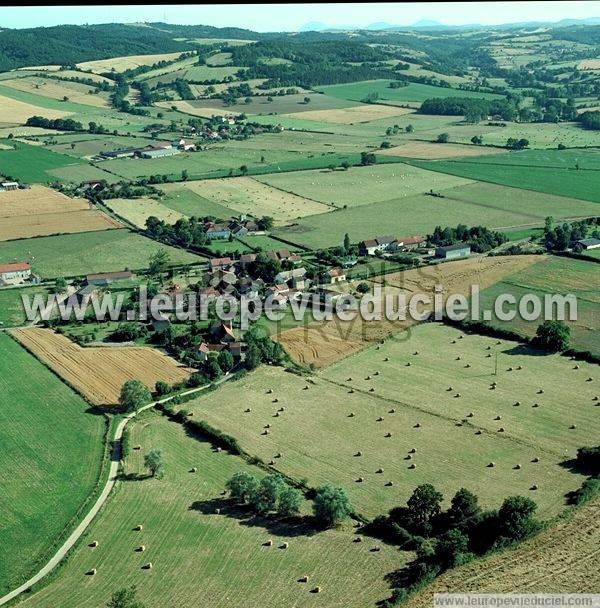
392, 244
234, 227
16, 273
156, 150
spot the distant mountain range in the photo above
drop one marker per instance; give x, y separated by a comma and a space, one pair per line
319, 26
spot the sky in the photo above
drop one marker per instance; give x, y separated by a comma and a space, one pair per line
292, 17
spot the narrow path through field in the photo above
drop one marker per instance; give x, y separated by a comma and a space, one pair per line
110, 483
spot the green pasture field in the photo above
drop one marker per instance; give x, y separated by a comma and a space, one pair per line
245, 244
74, 174
93, 145
476, 203
29, 163
11, 306
90, 252
181, 199
360, 185
184, 535
564, 182
413, 92
205, 72
285, 104
556, 275
225, 247
559, 159
319, 440
49, 464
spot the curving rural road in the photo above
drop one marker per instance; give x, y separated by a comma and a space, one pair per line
87, 520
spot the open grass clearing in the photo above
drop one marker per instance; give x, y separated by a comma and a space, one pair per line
59, 89
98, 373
79, 254
138, 210
183, 535
14, 112
362, 113
121, 64
49, 464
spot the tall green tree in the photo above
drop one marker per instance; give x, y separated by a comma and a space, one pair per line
159, 262
331, 505
553, 336
125, 598
154, 462
134, 395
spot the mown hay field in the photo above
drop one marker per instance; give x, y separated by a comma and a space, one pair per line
430, 150
39, 211
49, 464
138, 210
360, 185
98, 373
184, 535
362, 113
397, 408
14, 112
248, 195
78, 254
11, 306
129, 62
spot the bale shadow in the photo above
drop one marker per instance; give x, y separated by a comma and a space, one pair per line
525, 349
289, 527
133, 476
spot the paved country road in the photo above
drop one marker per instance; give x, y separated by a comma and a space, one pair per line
87, 520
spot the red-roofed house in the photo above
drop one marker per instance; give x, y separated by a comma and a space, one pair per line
15, 271
411, 242
220, 263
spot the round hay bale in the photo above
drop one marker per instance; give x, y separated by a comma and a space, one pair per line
284, 545
141, 548
457, 395
267, 426
468, 365
408, 364
449, 389
193, 470
376, 548
458, 424
268, 543
498, 342
348, 379
279, 455
359, 453
417, 426
517, 403
590, 379
351, 415
460, 337
491, 465
303, 579
392, 411
351, 391
534, 487
219, 449
470, 415
147, 566
536, 459
416, 352
380, 419
573, 426
596, 398
359, 480
540, 391
389, 484
412, 466
510, 369
517, 467
388, 434
501, 429
498, 418
478, 432
265, 432
276, 415
271, 463
139, 528
270, 391
247, 410
519, 367
408, 457
93, 544
380, 470
453, 341
316, 590
358, 539
368, 378
91, 572
576, 367
275, 400
536, 405
376, 374
458, 358
387, 359
306, 387
488, 348
137, 447
412, 451
488, 355
371, 390
281, 409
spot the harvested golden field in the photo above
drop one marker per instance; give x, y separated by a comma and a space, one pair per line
349, 116
56, 89
98, 373
246, 195
120, 64
138, 210
329, 341
41, 211
14, 112
589, 64
562, 559
429, 150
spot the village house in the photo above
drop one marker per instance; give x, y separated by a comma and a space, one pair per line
245, 260
217, 231
250, 287
221, 332
295, 278
280, 255
104, 279
408, 243
220, 263
220, 277
379, 243
14, 273
335, 275
206, 349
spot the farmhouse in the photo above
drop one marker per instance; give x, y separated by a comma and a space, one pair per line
379, 243
335, 275
124, 153
453, 252
590, 243
106, 278
411, 242
15, 272
245, 260
296, 278
220, 263
280, 255
217, 231
9, 185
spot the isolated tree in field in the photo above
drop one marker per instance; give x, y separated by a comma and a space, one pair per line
347, 242
125, 598
134, 395
161, 388
409, 129
363, 288
553, 336
153, 461
367, 158
477, 140
159, 262
331, 505
307, 100
290, 501
244, 169
184, 175
424, 504
443, 138
242, 486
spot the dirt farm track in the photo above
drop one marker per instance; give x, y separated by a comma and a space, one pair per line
98, 373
